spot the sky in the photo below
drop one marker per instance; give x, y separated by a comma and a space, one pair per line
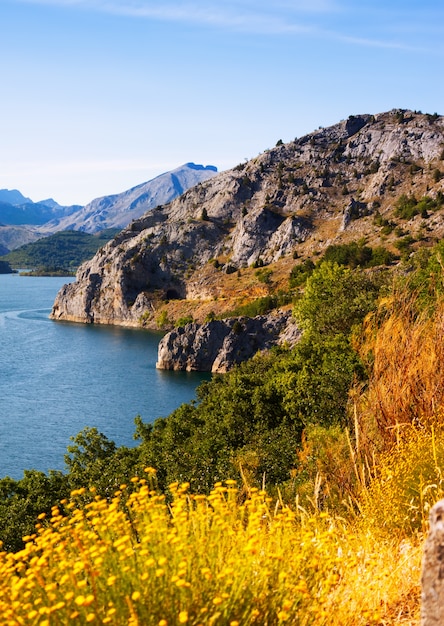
98, 96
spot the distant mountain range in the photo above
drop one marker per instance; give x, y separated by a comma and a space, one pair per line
23, 221
118, 210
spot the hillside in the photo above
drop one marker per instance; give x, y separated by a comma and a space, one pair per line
373, 178
23, 221
31, 213
117, 211
63, 251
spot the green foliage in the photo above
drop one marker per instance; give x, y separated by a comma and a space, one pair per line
335, 299
210, 317
94, 460
353, 255
357, 254
21, 501
240, 421
386, 225
250, 421
183, 321
91, 460
425, 276
381, 256
260, 306
162, 320
407, 207
63, 251
264, 275
300, 273
404, 244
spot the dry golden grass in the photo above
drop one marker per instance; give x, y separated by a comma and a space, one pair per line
205, 560
404, 350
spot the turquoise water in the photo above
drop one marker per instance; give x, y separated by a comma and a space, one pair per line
57, 378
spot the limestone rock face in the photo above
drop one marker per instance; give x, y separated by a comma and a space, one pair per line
291, 201
219, 345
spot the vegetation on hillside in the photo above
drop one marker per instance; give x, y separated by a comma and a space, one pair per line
286, 492
59, 253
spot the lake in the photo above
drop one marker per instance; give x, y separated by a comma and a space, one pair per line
56, 378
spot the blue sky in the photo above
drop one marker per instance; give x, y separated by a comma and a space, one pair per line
100, 95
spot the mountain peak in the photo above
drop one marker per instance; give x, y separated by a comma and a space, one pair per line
200, 168
118, 210
13, 196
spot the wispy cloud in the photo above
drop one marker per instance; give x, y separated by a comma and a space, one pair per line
239, 15
330, 19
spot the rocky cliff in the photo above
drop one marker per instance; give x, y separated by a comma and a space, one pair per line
218, 345
201, 252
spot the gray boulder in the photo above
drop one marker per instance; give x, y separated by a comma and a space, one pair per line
218, 345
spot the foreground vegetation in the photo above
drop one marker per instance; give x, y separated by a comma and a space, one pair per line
214, 559
286, 493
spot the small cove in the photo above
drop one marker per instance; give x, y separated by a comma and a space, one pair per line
58, 378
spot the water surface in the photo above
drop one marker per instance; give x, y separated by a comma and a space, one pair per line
56, 378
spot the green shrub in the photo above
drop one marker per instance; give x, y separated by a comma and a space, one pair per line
335, 299
260, 306
264, 276
183, 321
300, 273
357, 254
407, 207
162, 319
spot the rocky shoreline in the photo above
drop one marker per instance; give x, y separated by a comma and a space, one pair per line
219, 345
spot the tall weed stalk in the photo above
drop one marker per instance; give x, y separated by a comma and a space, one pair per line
403, 348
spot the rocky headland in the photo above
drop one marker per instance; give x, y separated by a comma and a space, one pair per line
236, 237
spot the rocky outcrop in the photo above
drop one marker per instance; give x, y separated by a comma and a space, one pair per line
290, 202
219, 345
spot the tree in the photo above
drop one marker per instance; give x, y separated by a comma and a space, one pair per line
22, 501
335, 299
95, 460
